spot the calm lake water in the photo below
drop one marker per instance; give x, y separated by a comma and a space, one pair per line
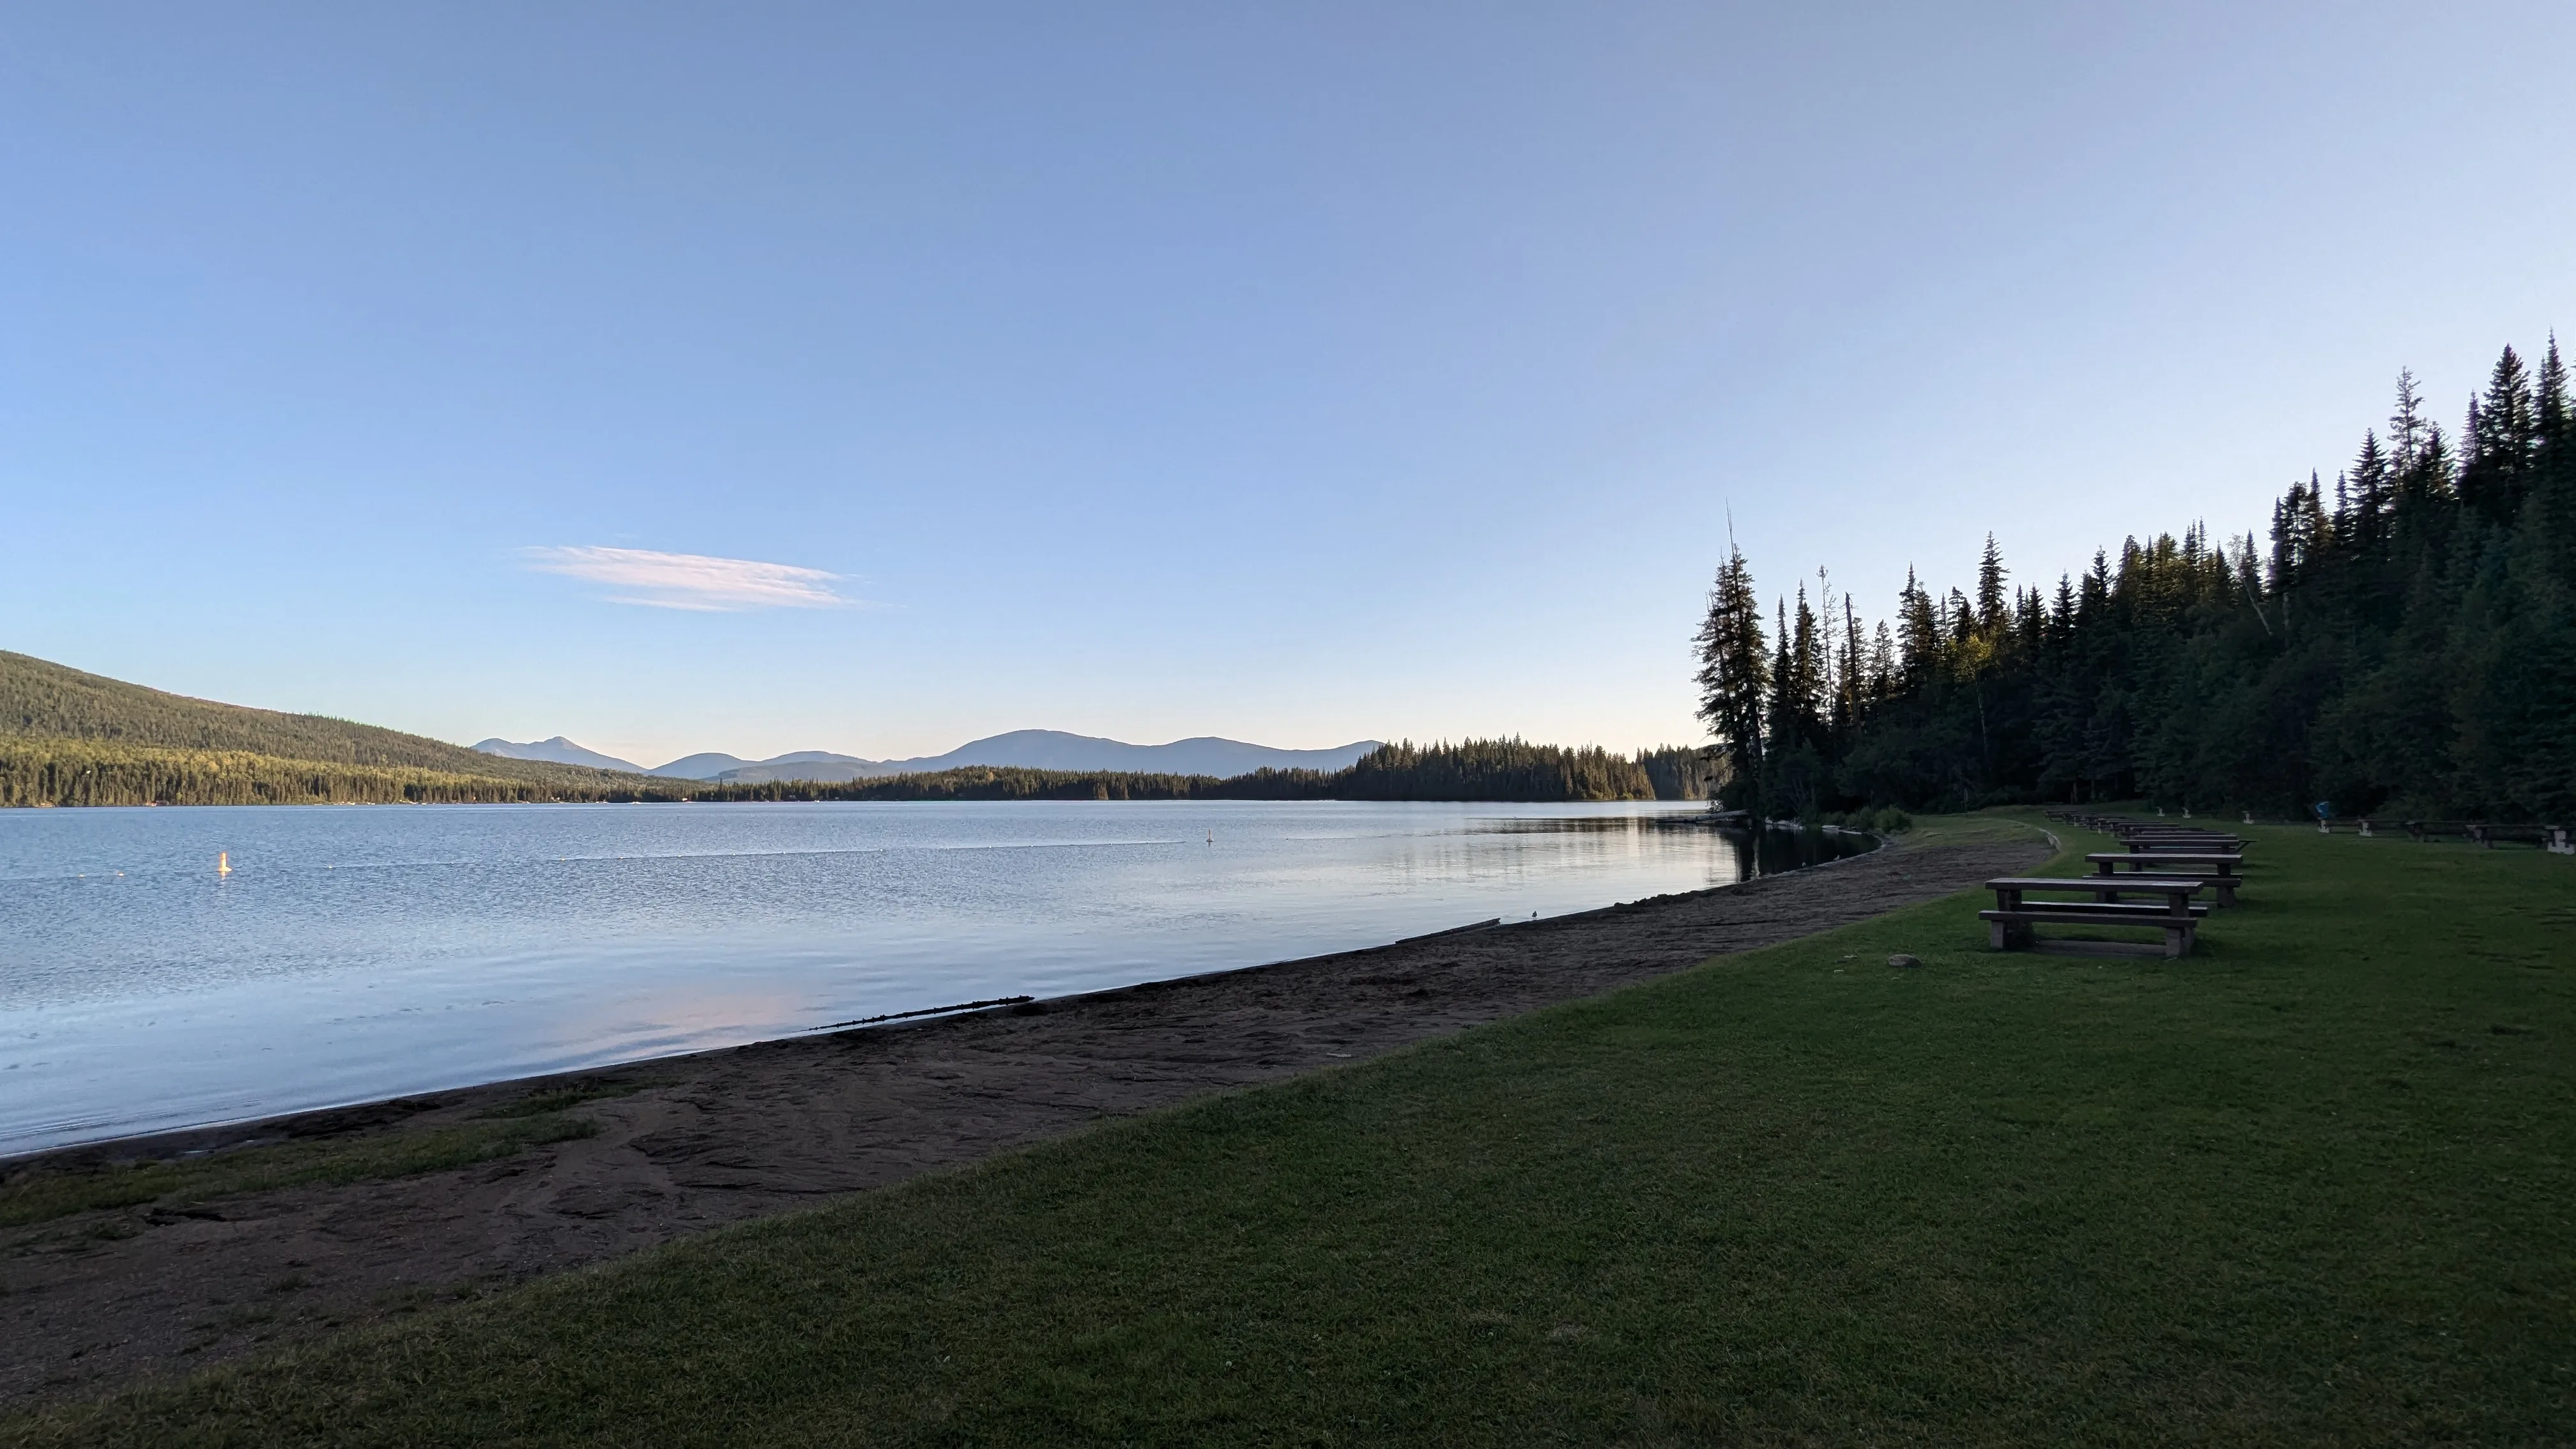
367, 951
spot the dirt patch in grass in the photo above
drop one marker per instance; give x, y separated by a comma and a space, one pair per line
186, 1184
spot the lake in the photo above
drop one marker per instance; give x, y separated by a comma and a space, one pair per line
358, 952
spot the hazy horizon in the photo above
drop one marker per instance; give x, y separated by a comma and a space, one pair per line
561, 749
871, 381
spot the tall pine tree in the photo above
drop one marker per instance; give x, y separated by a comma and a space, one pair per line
1735, 681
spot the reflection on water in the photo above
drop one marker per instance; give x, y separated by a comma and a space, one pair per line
356, 952
1787, 848
1780, 847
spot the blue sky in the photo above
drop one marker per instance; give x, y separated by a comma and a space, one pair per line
1298, 374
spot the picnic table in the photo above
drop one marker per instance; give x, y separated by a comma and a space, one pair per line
2159, 844
2555, 838
2218, 868
2009, 923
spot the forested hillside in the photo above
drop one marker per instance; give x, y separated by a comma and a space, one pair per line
89, 772
43, 700
69, 738
2404, 642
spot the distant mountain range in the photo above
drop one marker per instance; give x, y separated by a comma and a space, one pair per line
1028, 749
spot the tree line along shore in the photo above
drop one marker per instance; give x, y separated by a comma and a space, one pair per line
2403, 643
49, 772
69, 738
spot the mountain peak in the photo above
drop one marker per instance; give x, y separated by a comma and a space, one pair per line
558, 751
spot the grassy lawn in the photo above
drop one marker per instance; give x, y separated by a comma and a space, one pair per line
2311, 1184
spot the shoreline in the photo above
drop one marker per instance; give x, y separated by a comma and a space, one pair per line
685, 1143
79, 1094
268, 1128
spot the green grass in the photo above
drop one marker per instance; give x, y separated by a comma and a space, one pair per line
1969, 830
47, 1193
2311, 1184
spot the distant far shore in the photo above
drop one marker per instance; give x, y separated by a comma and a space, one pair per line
74, 772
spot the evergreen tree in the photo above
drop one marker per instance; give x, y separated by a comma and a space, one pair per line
1735, 680
1797, 740
1990, 588
2497, 446
2372, 491
2407, 425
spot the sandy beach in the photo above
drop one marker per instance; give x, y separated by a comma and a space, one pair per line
104, 1297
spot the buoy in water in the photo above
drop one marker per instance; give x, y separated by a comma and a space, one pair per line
223, 862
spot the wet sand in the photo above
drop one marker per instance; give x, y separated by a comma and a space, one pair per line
93, 1301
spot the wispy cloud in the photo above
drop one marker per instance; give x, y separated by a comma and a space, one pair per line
693, 581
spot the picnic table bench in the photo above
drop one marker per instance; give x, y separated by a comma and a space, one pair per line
2218, 868
2176, 915
2161, 844
2555, 838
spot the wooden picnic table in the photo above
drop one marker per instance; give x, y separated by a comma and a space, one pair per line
2555, 838
2217, 867
2169, 844
2176, 915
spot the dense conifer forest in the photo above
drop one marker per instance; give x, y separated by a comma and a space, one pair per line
87, 772
1493, 770
2404, 642
61, 719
